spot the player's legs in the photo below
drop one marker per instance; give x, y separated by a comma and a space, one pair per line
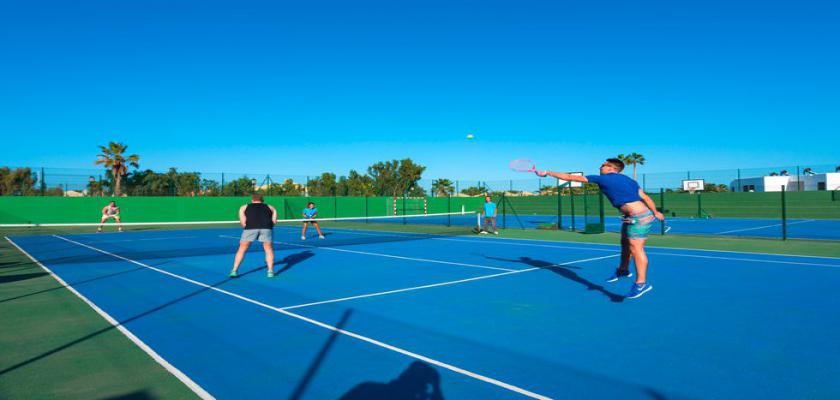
119, 223
101, 223
318, 229
303, 232
637, 249
240, 254
269, 256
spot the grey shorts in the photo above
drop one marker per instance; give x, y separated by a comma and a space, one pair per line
262, 235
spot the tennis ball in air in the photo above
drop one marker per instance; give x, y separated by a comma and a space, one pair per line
470, 136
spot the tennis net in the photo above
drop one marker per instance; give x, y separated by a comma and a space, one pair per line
340, 231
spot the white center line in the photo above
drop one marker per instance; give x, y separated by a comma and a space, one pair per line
444, 283
367, 253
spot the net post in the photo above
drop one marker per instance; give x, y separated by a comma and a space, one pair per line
662, 206
335, 205
784, 215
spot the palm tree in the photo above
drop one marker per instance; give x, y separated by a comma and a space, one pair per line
632, 159
442, 187
113, 159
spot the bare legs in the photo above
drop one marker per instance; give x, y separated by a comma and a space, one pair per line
240, 255
634, 248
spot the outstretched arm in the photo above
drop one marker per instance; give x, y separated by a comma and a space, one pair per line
563, 176
651, 205
242, 216
273, 214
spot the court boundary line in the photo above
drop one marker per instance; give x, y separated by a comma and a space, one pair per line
367, 253
196, 388
655, 252
446, 283
354, 335
763, 227
472, 238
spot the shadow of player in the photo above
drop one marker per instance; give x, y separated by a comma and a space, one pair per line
566, 272
418, 382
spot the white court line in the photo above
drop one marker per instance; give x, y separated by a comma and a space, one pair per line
357, 336
140, 240
198, 390
444, 283
758, 260
502, 242
367, 253
762, 227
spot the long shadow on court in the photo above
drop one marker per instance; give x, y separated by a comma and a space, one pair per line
418, 381
319, 359
564, 271
127, 320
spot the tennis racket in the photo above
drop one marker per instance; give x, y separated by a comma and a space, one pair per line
523, 165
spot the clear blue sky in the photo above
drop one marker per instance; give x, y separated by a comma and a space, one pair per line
305, 87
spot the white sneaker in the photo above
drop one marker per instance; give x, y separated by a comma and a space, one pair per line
483, 232
495, 232
320, 236
303, 238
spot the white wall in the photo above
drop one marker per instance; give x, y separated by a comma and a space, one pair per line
832, 181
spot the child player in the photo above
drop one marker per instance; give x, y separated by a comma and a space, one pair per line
309, 215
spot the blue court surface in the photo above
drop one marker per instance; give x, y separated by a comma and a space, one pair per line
814, 229
370, 315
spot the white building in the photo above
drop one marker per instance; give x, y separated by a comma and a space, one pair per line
829, 181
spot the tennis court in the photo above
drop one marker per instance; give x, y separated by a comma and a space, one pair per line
367, 313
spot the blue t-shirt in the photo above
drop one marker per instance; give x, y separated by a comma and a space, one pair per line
489, 209
310, 212
619, 189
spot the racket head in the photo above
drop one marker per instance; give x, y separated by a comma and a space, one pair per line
523, 165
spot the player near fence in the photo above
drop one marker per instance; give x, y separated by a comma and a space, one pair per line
309, 214
638, 210
490, 211
257, 220
111, 211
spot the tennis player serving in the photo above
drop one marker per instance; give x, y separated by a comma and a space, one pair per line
108, 212
638, 211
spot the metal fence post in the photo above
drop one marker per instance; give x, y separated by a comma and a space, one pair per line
44, 183
784, 215
662, 206
572, 203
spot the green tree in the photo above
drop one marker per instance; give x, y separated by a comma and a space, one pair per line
472, 191
113, 158
442, 187
18, 181
243, 186
210, 187
357, 184
632, 159
396, 178
324, 185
